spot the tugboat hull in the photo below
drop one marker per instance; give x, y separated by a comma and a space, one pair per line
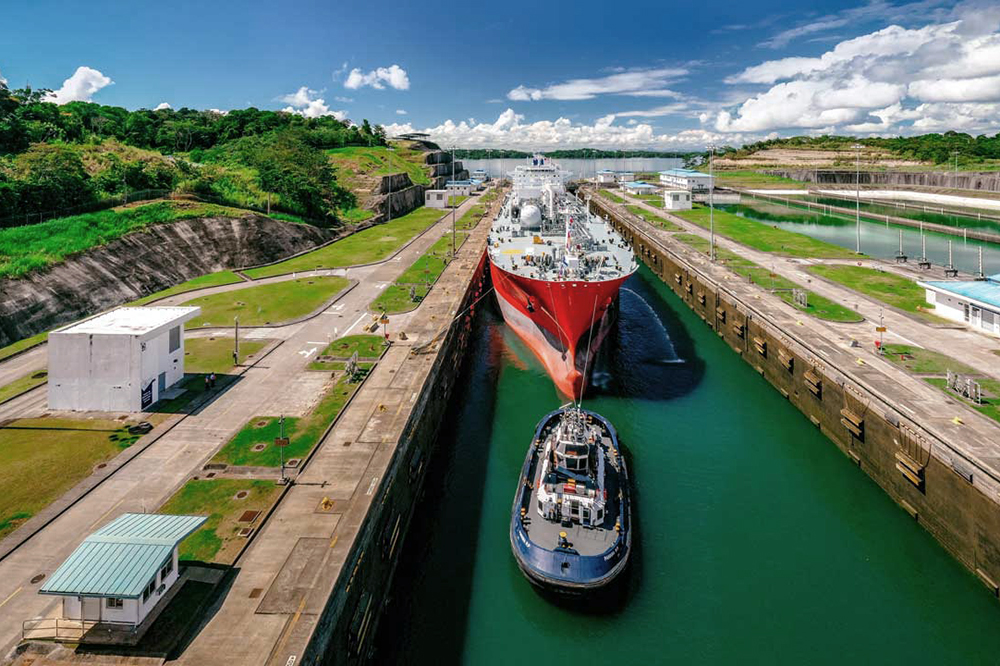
569, 570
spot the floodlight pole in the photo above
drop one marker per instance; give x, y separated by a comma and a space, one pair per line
236, 341
281, 449
711, 199
857, 201
453, 250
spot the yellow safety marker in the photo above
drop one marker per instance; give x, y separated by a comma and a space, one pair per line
957, 421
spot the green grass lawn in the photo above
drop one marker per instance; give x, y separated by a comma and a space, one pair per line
215, 354
22, 384
367, 346
21, 345
990, 406
470, 218
217, 540
762, 237
35, 246
608, 194
421, 275
924, 361
653, 218
40, 459
303, 432
267, 303
756, 179
211, 280
819, 307
457, 201
891, 289
366, 246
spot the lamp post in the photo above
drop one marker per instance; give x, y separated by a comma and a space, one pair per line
453, 207
236, 341
954, 154
857, 200
711, 200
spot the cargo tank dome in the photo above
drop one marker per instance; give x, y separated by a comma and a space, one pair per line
531, 217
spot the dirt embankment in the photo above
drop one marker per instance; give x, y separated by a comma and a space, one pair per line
142, 263
985, 181
813, 158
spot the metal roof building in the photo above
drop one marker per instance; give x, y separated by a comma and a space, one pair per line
122, 571
973, 302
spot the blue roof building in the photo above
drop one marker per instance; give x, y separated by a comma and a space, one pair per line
972, 302
686, 179
121, 573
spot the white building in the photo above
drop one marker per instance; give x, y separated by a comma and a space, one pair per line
975, 303
120, 361
120, 576
607, 176
625, 176
686, 179
459, 188
677, 199
480, 174
638, 187
436, 198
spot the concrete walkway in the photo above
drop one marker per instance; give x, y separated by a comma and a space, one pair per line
280, 384
966, 345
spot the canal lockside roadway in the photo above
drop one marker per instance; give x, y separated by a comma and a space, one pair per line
972, 348
280, 383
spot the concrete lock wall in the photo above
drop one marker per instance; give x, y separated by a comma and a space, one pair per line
937, 490
345, 633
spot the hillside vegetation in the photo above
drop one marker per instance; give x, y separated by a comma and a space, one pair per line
80, 155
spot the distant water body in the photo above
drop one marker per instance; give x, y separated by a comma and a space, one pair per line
581, 168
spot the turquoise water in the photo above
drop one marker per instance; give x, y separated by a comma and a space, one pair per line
757, 541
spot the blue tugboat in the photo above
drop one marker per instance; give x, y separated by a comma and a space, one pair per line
570, 527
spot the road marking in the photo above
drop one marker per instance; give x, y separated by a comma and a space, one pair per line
308, 352
338, 307
356, 322
105, 514
12, 595
333, 541
371, 486
310, 342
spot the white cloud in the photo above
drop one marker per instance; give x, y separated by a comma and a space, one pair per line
307, 102
81, 86
638, 82
400, 112
394, 76
511, 131
3, 80
893, 80
655, 112
343, 100
162, 105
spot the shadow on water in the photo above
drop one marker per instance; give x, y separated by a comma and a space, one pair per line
649, 355
449, 509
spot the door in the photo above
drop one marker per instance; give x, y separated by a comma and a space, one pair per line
161, 383
977, 317
91, 609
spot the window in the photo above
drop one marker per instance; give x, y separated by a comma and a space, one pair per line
167, 568
111, 602
148, 592
175, 338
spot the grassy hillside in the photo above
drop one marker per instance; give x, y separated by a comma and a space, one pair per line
27, 248
359, 169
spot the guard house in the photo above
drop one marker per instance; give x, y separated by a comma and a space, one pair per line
975, 303
118, 580
686, 179
436, 198
676, 199
120, 361
606, 176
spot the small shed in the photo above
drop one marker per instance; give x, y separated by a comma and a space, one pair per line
638, 187
120, 361
676, 199
436, 198
625, 176
607, 176
120, 575
975, 303
459, 188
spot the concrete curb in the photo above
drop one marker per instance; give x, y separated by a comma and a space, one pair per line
42, 519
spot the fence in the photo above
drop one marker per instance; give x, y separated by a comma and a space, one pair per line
61, 629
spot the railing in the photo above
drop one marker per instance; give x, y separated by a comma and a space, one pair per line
62, 629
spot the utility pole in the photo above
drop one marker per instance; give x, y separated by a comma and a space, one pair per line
711, 199
453, 250
236, 342
954, 154
281, 449
389, 201
857, 202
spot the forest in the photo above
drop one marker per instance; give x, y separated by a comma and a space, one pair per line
935, 148
77, 156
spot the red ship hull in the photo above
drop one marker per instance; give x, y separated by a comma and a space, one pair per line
563, 323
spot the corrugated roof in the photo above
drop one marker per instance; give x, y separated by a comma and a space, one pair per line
121, 558
984, 291
684, 172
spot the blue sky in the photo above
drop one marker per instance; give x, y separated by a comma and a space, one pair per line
664, 75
